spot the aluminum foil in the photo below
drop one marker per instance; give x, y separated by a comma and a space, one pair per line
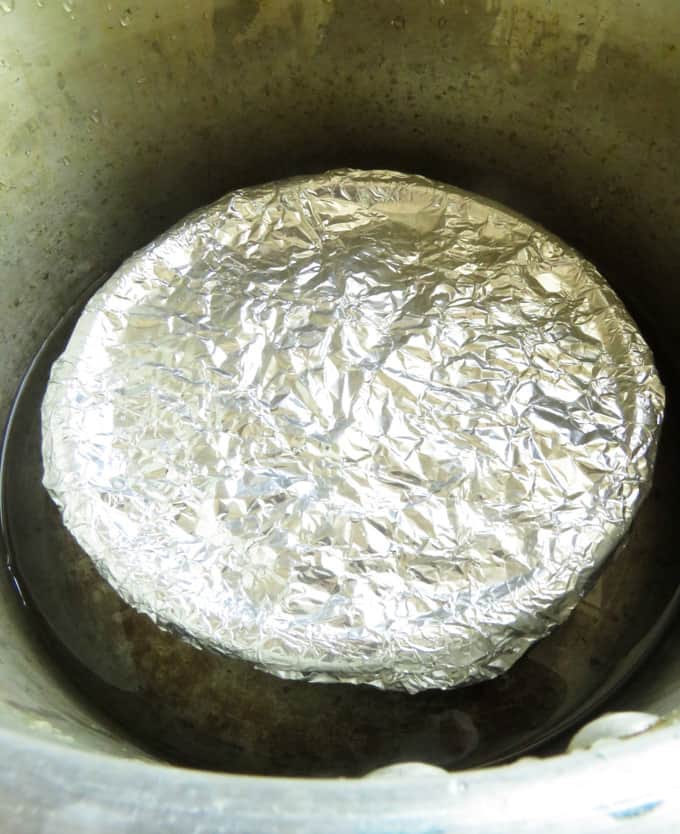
358, 427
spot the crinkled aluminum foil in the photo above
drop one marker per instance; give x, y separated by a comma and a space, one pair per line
359, 427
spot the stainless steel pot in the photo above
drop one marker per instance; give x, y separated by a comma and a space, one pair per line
119, 117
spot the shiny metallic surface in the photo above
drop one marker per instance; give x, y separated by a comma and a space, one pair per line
360, 427
569, 112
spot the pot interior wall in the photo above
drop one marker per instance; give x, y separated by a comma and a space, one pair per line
119, 118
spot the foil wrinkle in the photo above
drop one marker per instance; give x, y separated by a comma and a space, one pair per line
358, 427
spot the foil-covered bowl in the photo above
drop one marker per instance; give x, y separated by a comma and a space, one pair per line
358, 427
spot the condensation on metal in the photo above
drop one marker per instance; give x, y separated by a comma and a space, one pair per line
358, 427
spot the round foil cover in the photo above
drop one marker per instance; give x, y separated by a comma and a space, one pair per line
357, 427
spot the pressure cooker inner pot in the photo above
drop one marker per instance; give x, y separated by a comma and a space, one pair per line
123, 117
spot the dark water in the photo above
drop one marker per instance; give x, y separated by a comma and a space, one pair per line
200, 709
